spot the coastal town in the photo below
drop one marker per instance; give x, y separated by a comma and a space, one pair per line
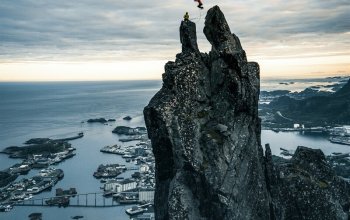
139, 188
39, 154
301, 111
129, 183
43, 154
338, 135
25, 189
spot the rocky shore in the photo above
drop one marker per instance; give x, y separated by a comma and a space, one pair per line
100, 120
124, 130
25, 189
38, 153
109, 171
139, 187
306, 107
131, 134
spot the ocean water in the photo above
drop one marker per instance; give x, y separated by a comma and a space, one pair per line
55, 110
297, 85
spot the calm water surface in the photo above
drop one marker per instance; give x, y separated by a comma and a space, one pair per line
54, 110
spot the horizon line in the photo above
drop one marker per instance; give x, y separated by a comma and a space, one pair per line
160, 79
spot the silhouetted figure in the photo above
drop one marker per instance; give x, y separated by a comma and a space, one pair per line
186, 16
200, 4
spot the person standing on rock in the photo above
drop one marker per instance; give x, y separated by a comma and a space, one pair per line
200, 4
186, 17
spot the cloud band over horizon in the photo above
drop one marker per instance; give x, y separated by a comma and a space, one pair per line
285, 37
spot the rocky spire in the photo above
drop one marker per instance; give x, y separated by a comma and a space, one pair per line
188, 37
205, 135
205, 131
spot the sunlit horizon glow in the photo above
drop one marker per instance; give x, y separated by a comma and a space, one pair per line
132, 40
81, 71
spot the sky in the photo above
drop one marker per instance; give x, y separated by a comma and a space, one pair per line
46, 40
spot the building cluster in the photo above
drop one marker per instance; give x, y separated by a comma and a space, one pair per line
109, 171
25, 188
139, 188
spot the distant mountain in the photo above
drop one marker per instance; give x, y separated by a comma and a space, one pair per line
320, 110
344, 91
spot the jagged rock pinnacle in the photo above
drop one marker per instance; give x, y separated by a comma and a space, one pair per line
188, 37
205, 131
218, 32
205, 134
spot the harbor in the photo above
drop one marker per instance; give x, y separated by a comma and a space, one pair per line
24, 189
131, 181
337, 135
78, 170
140, 186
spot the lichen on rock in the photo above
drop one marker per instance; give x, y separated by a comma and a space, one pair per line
205, 130
206, 138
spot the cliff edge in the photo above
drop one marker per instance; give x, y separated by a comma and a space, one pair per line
205, 134
205, 130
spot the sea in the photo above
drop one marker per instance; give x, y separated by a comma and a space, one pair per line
61, 109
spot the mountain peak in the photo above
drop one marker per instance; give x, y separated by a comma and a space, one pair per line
188, 37
344, 90
205, 131
206, 139
218, 32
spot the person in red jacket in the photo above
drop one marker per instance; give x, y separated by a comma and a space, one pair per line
200, 4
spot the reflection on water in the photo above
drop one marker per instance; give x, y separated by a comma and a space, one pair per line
270, 84
30, 110
291, 140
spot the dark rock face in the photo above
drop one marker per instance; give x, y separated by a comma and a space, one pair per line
127, 118
37, 146
205, 131
98, 120
188, 37
306, 187
205, 135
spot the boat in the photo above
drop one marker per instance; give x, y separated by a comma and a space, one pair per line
127, 156
113, 174
80, 135
77, 217
135, 210
22, 169
146, 205
18, 197
127, 201
5, 208
47, 185
340, 140
28, 197
108, 193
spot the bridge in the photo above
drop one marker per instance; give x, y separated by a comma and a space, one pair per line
93, 200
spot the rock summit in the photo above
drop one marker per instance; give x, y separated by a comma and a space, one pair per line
205, 134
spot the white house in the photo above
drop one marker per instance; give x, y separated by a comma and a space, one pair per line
120, 186
124, 185
146, 195
144, 168
111, 185
343, 131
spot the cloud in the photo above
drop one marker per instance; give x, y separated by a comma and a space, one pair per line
138, 29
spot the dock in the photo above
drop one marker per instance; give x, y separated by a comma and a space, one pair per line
80, 135
93, 200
